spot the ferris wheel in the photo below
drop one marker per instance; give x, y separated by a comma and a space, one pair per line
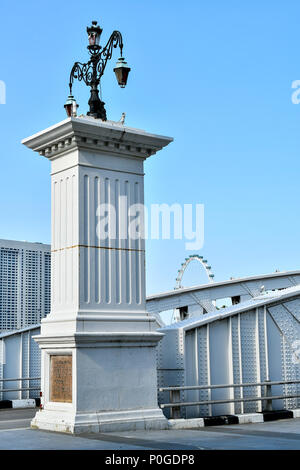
185, 264
176, 316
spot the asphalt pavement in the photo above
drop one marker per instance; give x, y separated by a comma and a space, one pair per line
15, 434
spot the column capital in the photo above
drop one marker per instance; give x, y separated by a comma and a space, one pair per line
107, 137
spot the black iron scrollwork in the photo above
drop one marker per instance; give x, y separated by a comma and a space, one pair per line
91, 72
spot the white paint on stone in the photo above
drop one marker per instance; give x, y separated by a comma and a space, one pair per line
98, 312
186, 423
250, 418
296, 413
25, 403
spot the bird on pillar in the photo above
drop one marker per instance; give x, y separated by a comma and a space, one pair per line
122, 120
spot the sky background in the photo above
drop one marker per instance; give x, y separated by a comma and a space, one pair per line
215, 75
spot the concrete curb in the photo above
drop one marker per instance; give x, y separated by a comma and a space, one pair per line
186, 423
296, 413
196, 423
24, 403
251, 418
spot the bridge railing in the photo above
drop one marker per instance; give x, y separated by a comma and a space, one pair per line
21, 388
175, 404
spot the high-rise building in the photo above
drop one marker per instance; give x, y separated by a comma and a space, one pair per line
25, 276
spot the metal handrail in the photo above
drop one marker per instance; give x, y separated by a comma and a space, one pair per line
205, 387
19, 379
21, 388
233, 400
175, 403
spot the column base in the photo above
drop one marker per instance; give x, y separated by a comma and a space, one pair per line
100, 382
130, 420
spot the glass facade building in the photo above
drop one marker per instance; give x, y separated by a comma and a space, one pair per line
25, 282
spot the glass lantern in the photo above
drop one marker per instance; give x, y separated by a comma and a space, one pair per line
122, 70
94, 33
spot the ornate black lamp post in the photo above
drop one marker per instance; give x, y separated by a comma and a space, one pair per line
92, 71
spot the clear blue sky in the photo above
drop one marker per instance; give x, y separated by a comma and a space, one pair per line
215, 75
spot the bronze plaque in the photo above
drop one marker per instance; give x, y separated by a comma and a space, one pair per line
61, 378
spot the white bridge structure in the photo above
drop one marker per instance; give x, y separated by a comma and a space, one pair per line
20, 364
255, 340
197, 300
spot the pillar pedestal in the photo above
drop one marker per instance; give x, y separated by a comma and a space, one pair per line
98, 343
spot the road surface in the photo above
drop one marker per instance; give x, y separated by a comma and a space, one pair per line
15, 434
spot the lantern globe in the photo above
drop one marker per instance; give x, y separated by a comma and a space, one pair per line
94, 33
122, 71
71, 106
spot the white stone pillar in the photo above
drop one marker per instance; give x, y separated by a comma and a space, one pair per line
98, 343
